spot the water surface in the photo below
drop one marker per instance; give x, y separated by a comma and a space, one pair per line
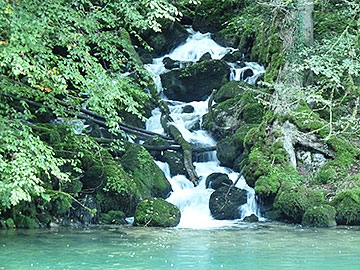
261, 246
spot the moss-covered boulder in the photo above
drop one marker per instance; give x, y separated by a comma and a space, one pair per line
230, 90
224, 202
156, 212
319, 216
347, 206
217, 180
293, 201
113, 217
195, 82
149, 178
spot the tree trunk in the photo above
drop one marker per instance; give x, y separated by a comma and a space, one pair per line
296, 34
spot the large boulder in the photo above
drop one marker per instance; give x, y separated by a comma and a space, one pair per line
225, 202
195, 82
217, 180
175, 160
156, 212
148, 177
319, 216
347, 207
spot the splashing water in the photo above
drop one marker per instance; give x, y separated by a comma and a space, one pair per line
194, 201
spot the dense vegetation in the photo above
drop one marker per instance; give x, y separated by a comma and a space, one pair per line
66, 55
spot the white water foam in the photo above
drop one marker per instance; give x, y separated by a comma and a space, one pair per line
194, 201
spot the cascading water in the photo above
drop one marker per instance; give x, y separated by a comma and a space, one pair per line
194, 201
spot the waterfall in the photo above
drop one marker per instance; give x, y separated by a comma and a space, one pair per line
194, 201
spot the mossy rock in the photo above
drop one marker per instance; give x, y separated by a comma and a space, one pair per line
230, 90
293, 201
149, 178
113, 217
217, 180
172, 35
227, 151
319, 216
224, 202
9, 223
175, 161
156, 212
195, 82
347, 206
253, 113
266, 187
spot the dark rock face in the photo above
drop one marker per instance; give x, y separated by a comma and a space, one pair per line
156, 212
188, 109
204, 57
228, 151
172, 35
224, 202
195, 82
251, 218
247, 73
113, 217
217, 180
171, 64
175, 161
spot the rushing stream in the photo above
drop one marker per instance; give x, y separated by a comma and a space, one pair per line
194, 201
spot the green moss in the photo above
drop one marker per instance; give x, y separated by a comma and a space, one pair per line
253, 113
156, 212
347, 206
319, 216
326, 175
292, 201
268, 186
113, 217
230, 90
148, 177
307, 120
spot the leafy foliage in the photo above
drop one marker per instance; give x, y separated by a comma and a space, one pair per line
73, 52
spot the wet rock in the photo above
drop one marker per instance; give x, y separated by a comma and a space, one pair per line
172, 35
227, 151
235, 57
149, 178
175, 161
247, 73
195, 126
225, 202
195, 82
113, 217
188, 109
155, 212
204, 57
217, 180
252, 218
171, 64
